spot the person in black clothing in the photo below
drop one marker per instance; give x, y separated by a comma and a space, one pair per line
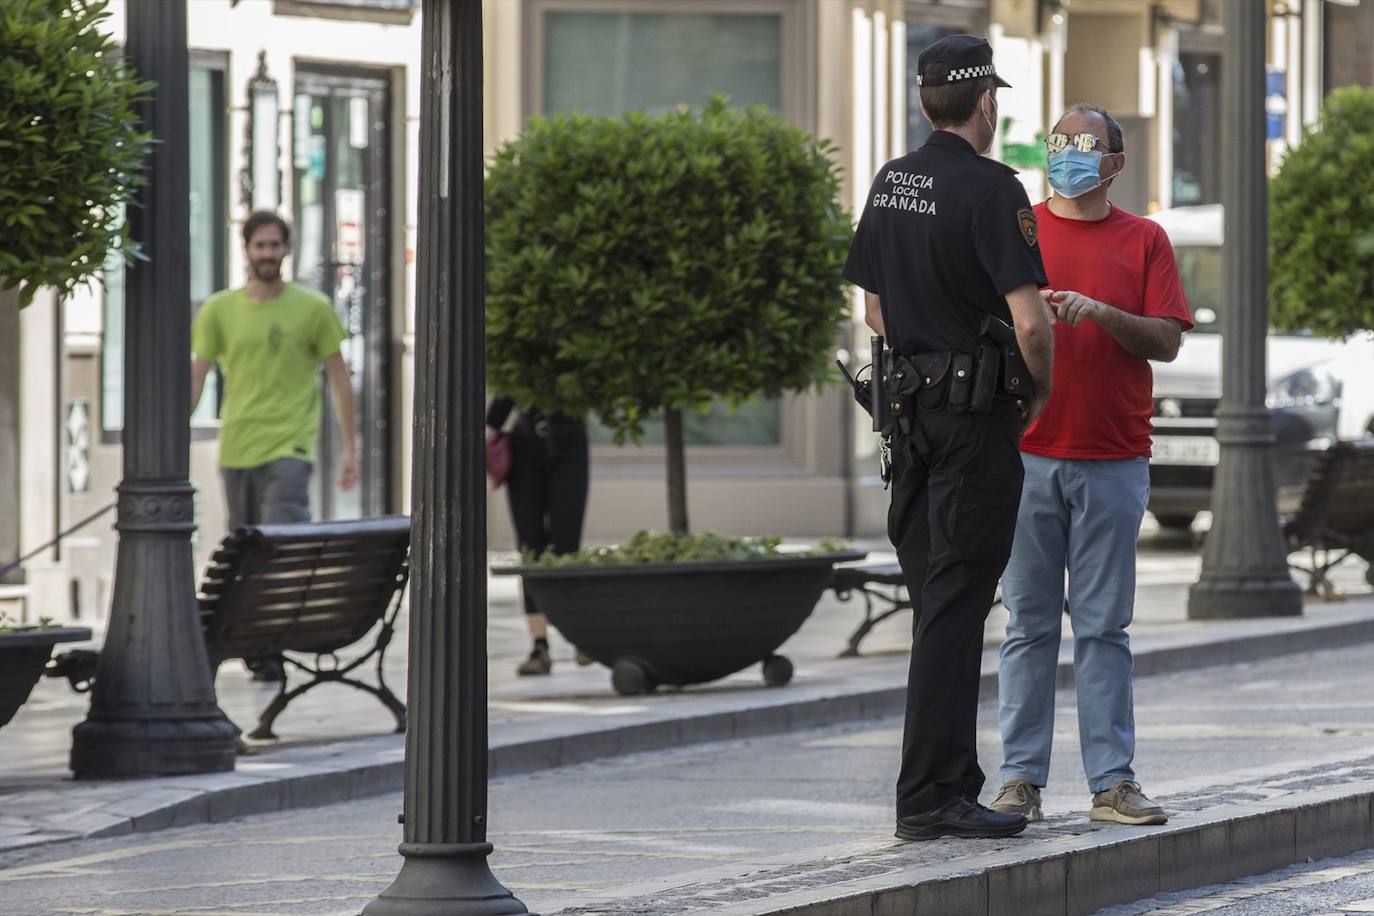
947, 237
547, 489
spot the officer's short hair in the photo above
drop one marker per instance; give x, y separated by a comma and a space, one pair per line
953, 104
1116, 142
260, 218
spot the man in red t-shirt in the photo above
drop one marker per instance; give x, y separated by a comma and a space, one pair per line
1118, 303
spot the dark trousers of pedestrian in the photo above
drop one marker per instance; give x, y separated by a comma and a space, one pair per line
269, 494
276, 492
956, 487
547, 485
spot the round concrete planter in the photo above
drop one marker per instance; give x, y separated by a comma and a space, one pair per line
682, 623
23, 655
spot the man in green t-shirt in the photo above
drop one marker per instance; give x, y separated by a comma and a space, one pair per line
269, 339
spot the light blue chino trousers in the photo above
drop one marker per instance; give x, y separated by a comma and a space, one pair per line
1083, 518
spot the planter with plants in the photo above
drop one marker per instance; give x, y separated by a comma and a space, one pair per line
678, 610
24, 653
639, 268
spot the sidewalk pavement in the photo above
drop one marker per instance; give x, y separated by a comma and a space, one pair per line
336, 744
1260, 764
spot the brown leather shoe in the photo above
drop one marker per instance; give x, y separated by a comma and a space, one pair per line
539, 662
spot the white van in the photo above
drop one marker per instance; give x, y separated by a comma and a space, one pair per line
1319, 389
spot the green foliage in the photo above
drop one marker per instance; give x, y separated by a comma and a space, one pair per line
1321, 223
636, 264
704, 547
10, 625
70, 146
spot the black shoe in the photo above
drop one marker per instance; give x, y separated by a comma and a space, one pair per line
266, 668
960, 818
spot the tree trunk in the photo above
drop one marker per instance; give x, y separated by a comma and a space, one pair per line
677, 471
9, 431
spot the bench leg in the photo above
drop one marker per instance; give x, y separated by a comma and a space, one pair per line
383, 693
870, 620
269, 715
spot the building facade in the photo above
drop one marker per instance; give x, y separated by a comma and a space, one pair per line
311, 107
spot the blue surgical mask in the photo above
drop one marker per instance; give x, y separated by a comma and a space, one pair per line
1074, 173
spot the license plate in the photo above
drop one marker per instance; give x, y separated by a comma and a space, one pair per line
1200, 450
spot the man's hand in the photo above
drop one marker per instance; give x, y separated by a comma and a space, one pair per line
348, 469
1071, 307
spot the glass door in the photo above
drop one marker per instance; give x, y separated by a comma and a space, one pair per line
341, 140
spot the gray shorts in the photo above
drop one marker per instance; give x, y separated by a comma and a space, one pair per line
269, 494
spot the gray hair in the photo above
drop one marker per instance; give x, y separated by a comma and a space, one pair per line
1115, 141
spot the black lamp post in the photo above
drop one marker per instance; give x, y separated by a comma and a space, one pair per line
153, 709
1244, 564
445, 848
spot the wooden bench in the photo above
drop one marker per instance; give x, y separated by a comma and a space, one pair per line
311, 588
1336, 514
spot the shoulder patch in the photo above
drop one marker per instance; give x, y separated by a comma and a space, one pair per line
1030, 230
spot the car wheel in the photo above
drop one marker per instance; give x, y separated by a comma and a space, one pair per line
1180, 521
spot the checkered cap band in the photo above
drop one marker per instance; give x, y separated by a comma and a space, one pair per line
964, 73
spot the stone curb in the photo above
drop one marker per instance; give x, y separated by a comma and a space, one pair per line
1080, 875
367, 767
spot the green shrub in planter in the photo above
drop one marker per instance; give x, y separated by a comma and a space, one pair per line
70, 145
703, 547
1321, 223
638, 265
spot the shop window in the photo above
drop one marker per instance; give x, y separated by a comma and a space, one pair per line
1197, 128
639, 59
208, 114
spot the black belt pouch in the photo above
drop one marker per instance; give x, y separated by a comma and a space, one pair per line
960, 382
986, 369
934, 370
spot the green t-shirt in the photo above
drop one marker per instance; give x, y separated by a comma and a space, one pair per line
270, 354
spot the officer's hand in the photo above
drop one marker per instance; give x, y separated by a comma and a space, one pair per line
1031, 409
1071, 307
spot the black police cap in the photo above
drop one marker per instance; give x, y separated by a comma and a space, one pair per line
955, 58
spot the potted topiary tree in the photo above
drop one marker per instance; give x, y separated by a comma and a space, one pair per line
70, 144
638, 267
1321, 227
70, 157
1321, 223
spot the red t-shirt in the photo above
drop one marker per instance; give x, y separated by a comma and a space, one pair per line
1102, 400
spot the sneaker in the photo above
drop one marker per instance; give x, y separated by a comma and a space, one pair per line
1124, 803
539, 662
1019, 797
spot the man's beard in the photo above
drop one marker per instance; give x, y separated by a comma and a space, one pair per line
267, 271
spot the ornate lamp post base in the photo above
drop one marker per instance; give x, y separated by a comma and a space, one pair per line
1222, 597
440, 879
153, 710
124, 749
1244, 560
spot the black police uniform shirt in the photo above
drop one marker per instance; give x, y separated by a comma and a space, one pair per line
944, 235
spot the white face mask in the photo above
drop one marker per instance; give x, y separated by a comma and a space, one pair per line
992, 125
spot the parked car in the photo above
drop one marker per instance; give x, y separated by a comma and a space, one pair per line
1319, 390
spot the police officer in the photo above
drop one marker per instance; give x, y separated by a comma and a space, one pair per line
947, 237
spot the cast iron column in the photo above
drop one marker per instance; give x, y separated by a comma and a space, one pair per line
445, 848
1244, 563
153, 710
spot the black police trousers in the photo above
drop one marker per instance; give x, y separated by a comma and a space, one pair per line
956, 486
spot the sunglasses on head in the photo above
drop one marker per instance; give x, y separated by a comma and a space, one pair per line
1084, 143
